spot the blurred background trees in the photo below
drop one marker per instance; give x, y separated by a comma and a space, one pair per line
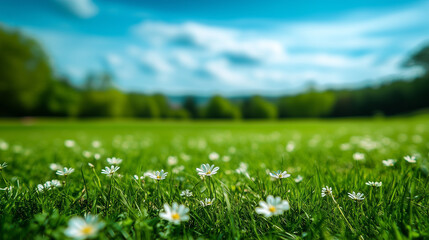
25, 74
29, 87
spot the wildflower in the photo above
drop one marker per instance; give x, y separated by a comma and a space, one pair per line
358, 156
3, 165
243, 168
214, 156
172, 160
356, 196
69, 143
137, 178
110, 171
4, 146
326, 191
298, 179
374, 184
186, 193
207, 202
290, 146
86, 154
178, 169
91, 165
207, 170
158, 175
97, 156
55, 183
83, 228
65, 171
226, 158
410, 159
389, 162
96, 144
48, 185
114, 161
175, 214
55, 166
185, 157
279, 174
40, 188
273, 206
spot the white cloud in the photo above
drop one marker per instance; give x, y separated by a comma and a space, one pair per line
197, 57
80, 8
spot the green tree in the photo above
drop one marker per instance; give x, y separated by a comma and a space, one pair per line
163, 106
220, 108
60, 99
109, 103
143, 106
310, 104
420, 58
258, 108
191, 106
25, 73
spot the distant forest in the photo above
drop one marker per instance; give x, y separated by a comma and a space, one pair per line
29, 87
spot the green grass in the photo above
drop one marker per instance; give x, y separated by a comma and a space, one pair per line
399, 209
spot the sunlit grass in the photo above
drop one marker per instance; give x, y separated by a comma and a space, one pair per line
129, 207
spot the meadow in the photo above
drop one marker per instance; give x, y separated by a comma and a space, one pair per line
324, 160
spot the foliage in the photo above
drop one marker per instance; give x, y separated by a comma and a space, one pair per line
25, 73
258, 108
310, 104
220, 108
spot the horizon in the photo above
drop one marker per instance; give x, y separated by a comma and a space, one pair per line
221, 48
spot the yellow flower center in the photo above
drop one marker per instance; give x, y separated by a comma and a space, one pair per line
272, 209
87, 230
175, 216
208, 172
158, 177
280, 176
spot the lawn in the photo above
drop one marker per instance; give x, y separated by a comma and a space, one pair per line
343, 155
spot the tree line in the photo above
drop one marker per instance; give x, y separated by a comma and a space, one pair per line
29, 87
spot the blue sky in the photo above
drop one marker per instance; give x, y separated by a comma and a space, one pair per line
229, 47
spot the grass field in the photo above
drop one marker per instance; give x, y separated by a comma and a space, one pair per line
341, 154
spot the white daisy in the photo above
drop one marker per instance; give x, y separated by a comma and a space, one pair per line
298, 178
358, 156
110, 171
273, 206
65, 171
69, 143
374, 184
158, 175
83, 228
279, 174
186, 193
214, 156
356, 196
207, 202
326, 191
4, 145
55, 166
410, 159
86, 154
389, 162
207, 170
3, 165
137, 178
96, 144
175, 214
172, 160
114, 161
